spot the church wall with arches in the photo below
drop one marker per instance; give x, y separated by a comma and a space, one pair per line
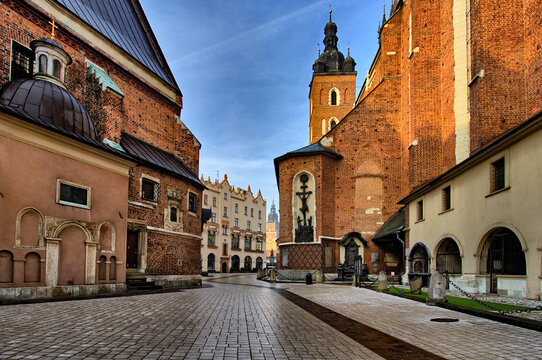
492, 236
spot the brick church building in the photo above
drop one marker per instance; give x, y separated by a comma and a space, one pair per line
98, 179
449, 78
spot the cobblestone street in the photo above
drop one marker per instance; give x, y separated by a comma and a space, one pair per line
236, 316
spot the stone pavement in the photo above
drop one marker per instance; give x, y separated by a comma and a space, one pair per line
236, 316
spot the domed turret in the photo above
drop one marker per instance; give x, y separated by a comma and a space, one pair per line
331, 60
44, 99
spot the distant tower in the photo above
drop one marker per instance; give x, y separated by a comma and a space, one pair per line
273, 217
333, 86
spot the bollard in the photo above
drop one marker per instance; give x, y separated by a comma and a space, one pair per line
354, 281
272, 276
308, 279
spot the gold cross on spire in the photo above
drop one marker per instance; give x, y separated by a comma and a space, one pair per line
53, 27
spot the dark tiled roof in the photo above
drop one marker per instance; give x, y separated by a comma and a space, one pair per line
312, 149
126, 26
154, 156
392, 226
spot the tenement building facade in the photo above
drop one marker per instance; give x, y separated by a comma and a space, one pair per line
98, 173
451, 79
234, 238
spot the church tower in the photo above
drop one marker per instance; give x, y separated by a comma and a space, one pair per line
333, 86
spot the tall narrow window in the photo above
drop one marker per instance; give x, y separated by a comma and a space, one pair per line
211, 238
236, 222
56, 69
22, 61
173, 216
332, 124
192, 202
446, 198
419, 210
225, 211
214, 201
333, 97
497, 175
43, 63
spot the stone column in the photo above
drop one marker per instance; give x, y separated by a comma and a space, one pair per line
51, 264
90, 270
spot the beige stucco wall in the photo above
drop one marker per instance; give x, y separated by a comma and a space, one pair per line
474, 214
242, 198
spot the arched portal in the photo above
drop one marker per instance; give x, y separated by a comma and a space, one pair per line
419, 263
448, 257
259, 263
248, 264
235, 263
502, 254
211, 262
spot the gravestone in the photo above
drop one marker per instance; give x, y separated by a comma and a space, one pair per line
319, 277
436, 293
416, 286
382, 281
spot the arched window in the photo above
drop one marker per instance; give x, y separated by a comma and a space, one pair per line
211, 262
56, 68
502, 254
332, 124
323, 126
6, 267
42, 65
448, 257
32, 268
248, 263
30, 227
113, 268
101, 267
333, 100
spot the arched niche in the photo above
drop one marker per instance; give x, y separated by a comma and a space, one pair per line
32, 268
304, 207
29, 228
6, 267
419, 260
107, 236
113, 268
102, 268
72, 256
368, 195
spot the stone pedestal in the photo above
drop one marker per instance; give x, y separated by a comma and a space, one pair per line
436, 293
319, 277
382, 281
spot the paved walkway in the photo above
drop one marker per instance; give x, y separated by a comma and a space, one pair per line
238, 317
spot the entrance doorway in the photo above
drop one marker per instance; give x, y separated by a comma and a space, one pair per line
132, 249
224, 267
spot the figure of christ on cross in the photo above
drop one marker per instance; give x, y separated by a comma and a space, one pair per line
304, 231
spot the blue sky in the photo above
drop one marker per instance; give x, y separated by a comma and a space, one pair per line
244, 67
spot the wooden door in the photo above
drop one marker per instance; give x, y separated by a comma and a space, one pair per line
131, 249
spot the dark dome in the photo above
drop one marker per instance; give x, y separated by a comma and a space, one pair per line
48, 104
46, 40
349, 65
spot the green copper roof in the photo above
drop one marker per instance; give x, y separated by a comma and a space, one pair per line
103, 78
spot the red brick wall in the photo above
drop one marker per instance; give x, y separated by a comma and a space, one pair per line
155, 217
319, 94
172, 255
533, 51
497, 100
